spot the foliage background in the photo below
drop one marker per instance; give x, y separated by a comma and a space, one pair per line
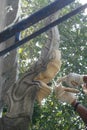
54, 115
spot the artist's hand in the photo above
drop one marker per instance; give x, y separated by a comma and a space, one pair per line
63, 95
74, 80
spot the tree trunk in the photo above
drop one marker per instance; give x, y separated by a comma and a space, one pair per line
2, 24
9, 68
8, 62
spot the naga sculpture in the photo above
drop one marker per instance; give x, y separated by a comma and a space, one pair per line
21, 95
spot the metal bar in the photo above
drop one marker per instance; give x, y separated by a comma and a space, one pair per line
34, 18
42, 30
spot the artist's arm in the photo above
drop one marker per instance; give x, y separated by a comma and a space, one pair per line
81, 110
70, 98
